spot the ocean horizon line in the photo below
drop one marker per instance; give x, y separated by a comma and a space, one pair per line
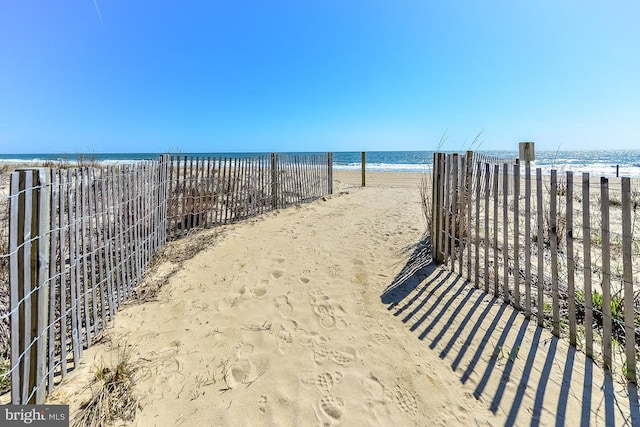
595, 162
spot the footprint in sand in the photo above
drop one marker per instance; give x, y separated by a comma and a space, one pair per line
329, 314
244, 351
343, 357
284, 307
373, 387
331, 407
260, 289
335, 271
313, 340
277, 273
262, 404
405, 400
320, 355
381, 338
241, 372
325, 381
375, 397
304, 280
285, 335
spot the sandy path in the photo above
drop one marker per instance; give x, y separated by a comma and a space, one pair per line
317, 316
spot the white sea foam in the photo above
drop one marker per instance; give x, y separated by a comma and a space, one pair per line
594, 169
385, 167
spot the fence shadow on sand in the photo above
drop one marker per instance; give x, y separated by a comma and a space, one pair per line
520, 371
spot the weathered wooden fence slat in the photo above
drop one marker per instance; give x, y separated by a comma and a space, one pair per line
84, 252
540, 249
496, 216
54, 280
468, 183
14, 298
447, 206
476, 277
453, 216
505, 232
92, 233
76, 323
41, 317
627, 252
63, 272
27, 276
487, 196
607, 320
553, 237
461, 214
571, 263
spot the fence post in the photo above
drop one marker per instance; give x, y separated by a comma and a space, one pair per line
627, 256
436, 200
30, 223
467, 205
330, 172
274, 180
553, 241
607, 320
364, 162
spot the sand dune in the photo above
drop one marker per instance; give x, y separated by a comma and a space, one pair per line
330, 314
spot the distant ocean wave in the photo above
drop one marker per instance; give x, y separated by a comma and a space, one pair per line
385, 167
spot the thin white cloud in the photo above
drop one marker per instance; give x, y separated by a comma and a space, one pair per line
95, 3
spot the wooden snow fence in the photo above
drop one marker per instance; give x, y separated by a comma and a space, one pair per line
561, 247
210, 191
80, 240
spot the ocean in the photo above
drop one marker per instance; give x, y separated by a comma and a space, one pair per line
597, 163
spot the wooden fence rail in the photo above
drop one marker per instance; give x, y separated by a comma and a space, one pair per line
81, 239
572, 255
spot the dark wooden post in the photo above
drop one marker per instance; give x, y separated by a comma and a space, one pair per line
364, 161
438, 203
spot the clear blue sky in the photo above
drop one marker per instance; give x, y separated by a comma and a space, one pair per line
140, 76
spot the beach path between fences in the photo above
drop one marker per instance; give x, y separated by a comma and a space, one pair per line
331, 313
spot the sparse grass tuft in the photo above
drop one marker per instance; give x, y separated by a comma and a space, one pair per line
113, 399
425, 199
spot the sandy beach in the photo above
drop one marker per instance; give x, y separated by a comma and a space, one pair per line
330, 313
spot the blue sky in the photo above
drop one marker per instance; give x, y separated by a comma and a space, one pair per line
134, 76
